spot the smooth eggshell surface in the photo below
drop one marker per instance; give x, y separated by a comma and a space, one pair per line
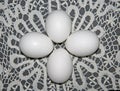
82, 43
35, 45
58, 26
59, 66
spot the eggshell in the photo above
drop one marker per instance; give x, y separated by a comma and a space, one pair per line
58, 26
82, 43
59, 66
35, 45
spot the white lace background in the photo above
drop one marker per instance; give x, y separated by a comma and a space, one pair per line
98, 72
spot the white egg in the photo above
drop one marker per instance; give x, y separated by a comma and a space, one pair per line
82, 43
35, 45
59, 66
58, 26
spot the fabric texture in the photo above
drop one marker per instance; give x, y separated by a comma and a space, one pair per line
98, 72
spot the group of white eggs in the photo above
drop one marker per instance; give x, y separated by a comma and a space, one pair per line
58, 28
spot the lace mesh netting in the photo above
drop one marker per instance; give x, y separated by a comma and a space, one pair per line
98, 72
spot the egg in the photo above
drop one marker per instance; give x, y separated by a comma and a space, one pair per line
59, 66
82, 43
58, 26
35, 45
